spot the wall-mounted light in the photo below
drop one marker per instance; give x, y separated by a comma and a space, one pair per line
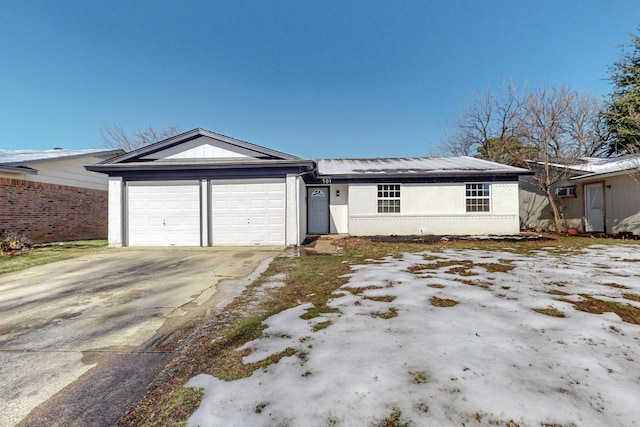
337, 193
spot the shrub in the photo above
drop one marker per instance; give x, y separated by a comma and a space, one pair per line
12, 241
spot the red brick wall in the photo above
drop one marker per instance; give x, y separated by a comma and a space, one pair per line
49, 212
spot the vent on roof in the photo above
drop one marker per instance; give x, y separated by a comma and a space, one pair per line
569, 191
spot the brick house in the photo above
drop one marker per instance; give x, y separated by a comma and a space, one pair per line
48, 195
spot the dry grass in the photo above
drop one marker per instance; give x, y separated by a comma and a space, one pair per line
442, 302
209, 345
627, 313
549, 311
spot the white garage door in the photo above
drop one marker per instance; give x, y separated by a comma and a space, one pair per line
249, 212
163, 214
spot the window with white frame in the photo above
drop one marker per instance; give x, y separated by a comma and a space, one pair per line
477, 197
389, 198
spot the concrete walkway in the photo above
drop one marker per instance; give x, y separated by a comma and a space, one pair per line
324, 245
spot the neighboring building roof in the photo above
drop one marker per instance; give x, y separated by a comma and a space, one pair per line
21, 161
17, 158
596, 166
416, 166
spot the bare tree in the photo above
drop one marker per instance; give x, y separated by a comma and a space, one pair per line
551, 127
114, 136
488, 126
545, 126
586, 125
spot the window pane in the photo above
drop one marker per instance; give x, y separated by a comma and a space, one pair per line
477, 197
388, 198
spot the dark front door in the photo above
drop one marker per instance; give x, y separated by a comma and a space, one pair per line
317, 210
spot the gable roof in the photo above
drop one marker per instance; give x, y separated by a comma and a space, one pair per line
415, 166
142, 154
20, 161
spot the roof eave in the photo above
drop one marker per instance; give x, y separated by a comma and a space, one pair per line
18, 169
153, 166
590, 176
424, 175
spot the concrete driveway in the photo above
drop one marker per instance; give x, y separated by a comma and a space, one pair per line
61, 320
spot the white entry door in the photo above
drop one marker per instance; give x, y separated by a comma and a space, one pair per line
163, 214
248, 212
594, 208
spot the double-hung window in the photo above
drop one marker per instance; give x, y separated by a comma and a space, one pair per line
389, 198
477, 197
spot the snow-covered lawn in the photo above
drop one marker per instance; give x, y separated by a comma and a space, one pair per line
451, 338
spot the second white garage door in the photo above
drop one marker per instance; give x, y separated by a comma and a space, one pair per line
248, 212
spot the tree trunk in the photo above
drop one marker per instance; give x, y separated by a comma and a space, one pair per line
557, 221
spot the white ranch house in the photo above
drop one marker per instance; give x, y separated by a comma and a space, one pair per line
205, 189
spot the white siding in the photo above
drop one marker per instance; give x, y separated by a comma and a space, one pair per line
622, 198
70, 172
115, 211
339, 208
202, 148
292, 219
301, 205
433, 209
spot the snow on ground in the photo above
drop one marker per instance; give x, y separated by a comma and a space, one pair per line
488, 360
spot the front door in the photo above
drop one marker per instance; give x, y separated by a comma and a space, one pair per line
318, 210
594, 208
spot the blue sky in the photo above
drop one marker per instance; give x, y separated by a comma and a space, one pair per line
313, 78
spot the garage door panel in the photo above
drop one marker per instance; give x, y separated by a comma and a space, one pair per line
165, 214
248, 213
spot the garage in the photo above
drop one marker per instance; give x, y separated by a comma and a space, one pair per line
248, 212
163, 213
200, 188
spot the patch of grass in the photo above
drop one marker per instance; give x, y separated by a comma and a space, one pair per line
442, 302
557, 292
627, 313
461, 271
360, 290
614, 285
632, 297
382, 298
479, 284
389, 314
322, 325
247, 329
46, 254
394, 419
419, 377
314, 312
549, 311
436, 286
504, 266
175, 407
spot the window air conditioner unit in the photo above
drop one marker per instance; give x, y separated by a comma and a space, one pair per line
566, 191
